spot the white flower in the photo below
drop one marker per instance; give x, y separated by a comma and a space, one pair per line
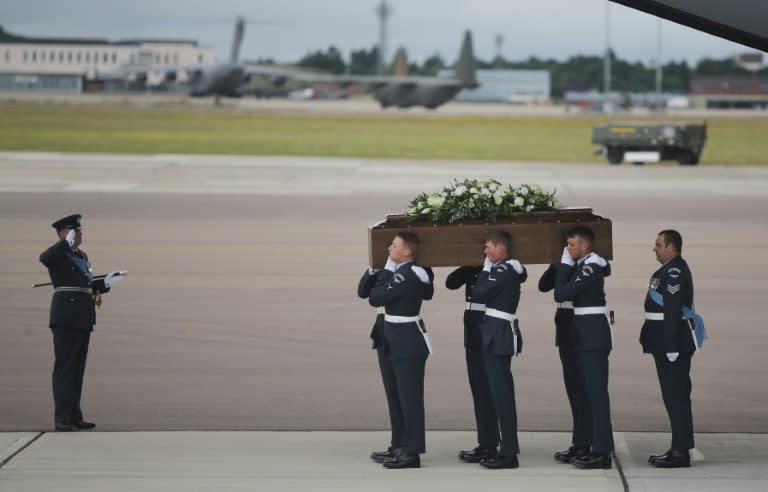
536, 188
412, 210
473, 190
523, 190
493, 186
519, 202
460, 190
484, 192
436, 201
529, 208
426, 210
498, 199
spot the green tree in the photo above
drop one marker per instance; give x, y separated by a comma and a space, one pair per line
364, 62
330, 61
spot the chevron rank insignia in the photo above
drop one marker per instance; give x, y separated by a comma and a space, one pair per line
587, 271
399, 278
674, 272
673, 289
502, 267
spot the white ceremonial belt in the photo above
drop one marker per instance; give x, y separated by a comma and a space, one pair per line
565, 305
401, 319
579, 311
380, 310
84, 290
473, 306
495, 313
656, 316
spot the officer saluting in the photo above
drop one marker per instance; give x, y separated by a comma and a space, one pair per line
400, 288
485, 414
579, 280
667, 336
498, 287
73, 315
573, 378
396, 417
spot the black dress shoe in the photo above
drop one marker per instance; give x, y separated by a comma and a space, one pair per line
499, 462
592, 461
65, 427
382, 456
674, 459
655, 457
83, 425
477, 455
571, 453
403, 461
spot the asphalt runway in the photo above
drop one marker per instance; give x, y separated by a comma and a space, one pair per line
239, 311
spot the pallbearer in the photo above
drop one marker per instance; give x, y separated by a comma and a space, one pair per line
73, 314
581, 438
399, 289
485, 413
396, 417
498, 287
579, 280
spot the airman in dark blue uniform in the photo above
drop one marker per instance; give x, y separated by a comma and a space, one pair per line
667, 336
400, 289
581, 439
579, 279
485, 413
73, 314
498, 287
396, 417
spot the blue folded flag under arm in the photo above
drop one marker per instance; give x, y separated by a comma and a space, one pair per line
698, 331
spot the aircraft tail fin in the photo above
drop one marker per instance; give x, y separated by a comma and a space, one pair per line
238, 39
464, 69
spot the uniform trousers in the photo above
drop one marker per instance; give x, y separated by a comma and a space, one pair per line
577, 397
594, 371
485, 413
396, 418
675, 382
70, 348
502, 387
409, 378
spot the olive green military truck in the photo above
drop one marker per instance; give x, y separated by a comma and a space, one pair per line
639, 143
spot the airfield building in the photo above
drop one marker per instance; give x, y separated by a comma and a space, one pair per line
65, 64
507, 85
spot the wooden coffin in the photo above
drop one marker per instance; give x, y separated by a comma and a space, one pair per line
536, 238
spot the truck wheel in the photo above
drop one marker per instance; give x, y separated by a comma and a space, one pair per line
688, 158
615, 155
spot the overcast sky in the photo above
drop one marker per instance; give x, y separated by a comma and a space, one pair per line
287, 29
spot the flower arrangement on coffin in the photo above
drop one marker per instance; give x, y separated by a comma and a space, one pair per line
479, 200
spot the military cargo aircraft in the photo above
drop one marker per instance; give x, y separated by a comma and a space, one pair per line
392, 90
224, 79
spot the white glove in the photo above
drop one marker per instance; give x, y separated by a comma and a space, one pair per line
597, 260
566, 258
672, 356
113, 277
391, 265
516, 265
71, 237
487, 264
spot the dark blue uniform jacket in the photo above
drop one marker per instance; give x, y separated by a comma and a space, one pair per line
675, 283
70, 268
500, 289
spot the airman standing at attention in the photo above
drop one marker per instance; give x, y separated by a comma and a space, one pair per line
73, 314
667, 336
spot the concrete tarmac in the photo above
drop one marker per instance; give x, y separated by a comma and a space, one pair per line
239, 311
331, 461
